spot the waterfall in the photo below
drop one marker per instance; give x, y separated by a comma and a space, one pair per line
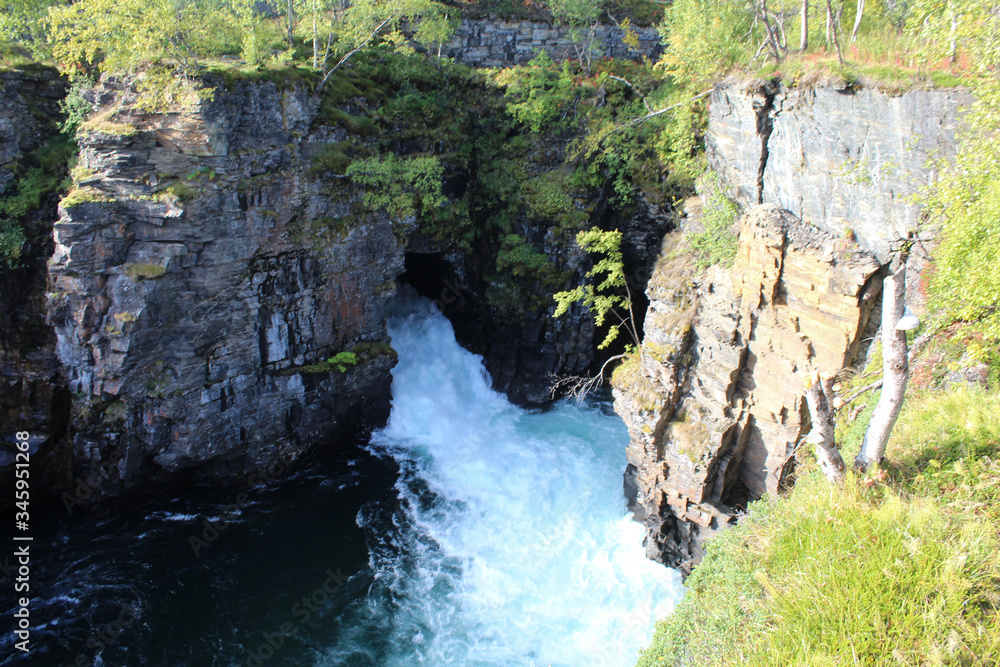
511, 543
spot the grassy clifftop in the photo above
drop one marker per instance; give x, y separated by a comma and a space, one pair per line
899, 567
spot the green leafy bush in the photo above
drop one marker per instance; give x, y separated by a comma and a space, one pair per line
542, 96
965, 201
343, 360
521, 259
718, 241
400, 186
610, 295
41, 173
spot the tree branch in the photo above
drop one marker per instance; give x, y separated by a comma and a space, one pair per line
355, 50
629, 84
642, 119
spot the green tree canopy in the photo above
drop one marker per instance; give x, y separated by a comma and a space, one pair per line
966, 199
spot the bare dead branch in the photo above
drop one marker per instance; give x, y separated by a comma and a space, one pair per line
864, 390
642, 119
355, 50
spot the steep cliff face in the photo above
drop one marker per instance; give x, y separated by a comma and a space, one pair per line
842, 159
32, 391
715, 404
199, 284
216, 288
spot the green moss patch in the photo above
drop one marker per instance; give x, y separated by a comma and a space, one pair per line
143, 271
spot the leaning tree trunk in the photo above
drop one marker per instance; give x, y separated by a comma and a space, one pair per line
857, 20
895, 371
819, 397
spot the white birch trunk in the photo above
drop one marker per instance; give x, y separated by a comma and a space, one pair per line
819, 396
857, 20
804, 40
895, 372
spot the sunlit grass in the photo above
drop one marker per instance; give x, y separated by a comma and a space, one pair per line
898, 568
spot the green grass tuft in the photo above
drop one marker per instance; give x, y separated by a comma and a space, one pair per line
899, 568
78, 196
144, 271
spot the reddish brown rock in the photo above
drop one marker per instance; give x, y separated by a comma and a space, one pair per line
716, 402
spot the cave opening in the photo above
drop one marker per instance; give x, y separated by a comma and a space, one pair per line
437, 278
434, 278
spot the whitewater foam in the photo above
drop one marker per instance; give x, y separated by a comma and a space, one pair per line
511, 544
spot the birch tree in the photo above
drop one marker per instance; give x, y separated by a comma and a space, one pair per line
895, 368
857, 20
819, 398
804, 20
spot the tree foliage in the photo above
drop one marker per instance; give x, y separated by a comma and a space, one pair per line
542, 95
706, 37
170, 40
607, 294
121, 35
966, 199
22, 21
401, 186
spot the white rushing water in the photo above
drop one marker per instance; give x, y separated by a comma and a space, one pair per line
511, 544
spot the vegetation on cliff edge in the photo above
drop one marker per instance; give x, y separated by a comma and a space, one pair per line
901, 567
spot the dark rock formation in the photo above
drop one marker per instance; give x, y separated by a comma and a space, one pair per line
198, 285
33, 397
525, 349
203, 272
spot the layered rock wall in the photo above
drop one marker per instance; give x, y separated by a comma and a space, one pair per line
487, 43
840, 158
715, 403
200, 281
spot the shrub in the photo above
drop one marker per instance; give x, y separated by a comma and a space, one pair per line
717, 242
400, 186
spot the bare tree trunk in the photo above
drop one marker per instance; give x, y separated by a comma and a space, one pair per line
953, 47
804, 40
819, 396
315, 37
291, 22
771, 31
895, 371
836, 39
857, 20
829, 22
